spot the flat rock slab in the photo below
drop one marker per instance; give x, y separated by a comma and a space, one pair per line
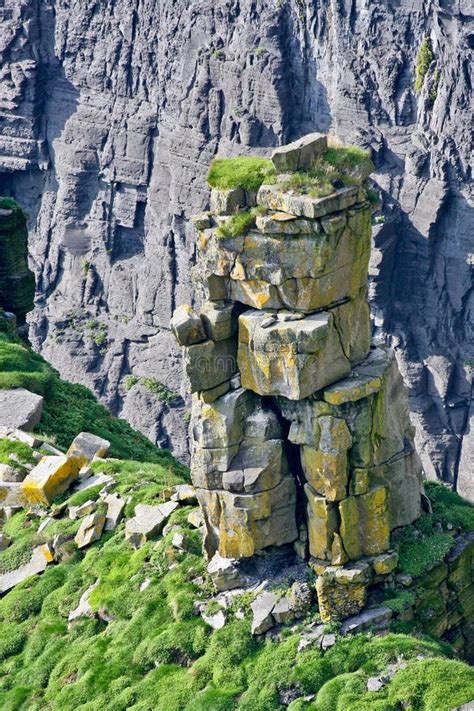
20, 409
38, 562
274, 198
379, 618
148, 521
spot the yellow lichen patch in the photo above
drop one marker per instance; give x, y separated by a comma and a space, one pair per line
351, 390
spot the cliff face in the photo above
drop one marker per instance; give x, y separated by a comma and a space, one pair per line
111, 113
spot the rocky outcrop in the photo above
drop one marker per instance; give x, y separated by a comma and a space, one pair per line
17, 282
111, 115
306, 402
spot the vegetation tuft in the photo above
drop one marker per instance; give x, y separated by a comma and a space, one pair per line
247, 172
423, 61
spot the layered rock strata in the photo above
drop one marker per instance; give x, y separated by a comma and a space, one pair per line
294, 410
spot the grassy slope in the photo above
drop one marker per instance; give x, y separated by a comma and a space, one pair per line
157, 655
70, 408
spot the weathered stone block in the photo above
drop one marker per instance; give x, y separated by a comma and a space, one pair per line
326, 467
86, 446
90, 530
49, 478
208, 364
301, 154
289, 358
322, 524
337, 601
365, 526
226, 202
187, 327
219, 320
273, 197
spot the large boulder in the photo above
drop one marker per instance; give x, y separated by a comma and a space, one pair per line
49, 478
86, 446
20, 409
301, 154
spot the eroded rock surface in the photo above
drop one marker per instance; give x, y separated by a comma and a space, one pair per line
112, 116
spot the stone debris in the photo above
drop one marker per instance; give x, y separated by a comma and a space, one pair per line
216, 621
148, 522
20, 409
9, 473
262, 608
179, 541
196, 518
83, 609
225, 573
90, 530
282, 611
85, 447
5, 541
115, 507
49, 478
328, 641
185, 494
286, 358
12, 495
94, 480
375, 683
84, 509
40, 559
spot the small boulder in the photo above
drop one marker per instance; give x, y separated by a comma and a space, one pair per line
179, 541
262, 608
225, 573
83, 609
375, 683
84, 509
185, 494
41, 557
20, 409
216, 621
4, 541
328, 641
301, 154
282, 611
86, 446
115, 507
196, 518
10, 474
90, 530
301, 598
147, 522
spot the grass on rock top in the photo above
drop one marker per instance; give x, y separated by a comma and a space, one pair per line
247, 172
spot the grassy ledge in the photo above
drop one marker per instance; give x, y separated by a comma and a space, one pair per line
247, 172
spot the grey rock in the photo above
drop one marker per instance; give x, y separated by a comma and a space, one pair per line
301, 154
37, 564
4, 541
225, 573
187, 326
9, 473
262, 608
216, 621
124, 148
375, 683
90, 530
148, 521
378, 618
282, 612
328, 641
20, 409
83, 608
115, 507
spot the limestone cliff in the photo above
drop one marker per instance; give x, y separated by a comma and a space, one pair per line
111, 113
17, 283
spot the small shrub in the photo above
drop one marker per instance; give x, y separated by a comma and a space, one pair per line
423, 61
238, 224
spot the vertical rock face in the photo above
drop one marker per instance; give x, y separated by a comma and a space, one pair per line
310, 379
17, 283
111, 113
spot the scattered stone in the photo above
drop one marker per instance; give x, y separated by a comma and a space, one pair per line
84, 509
12, 495
338, 601
115, 507
187, 326
282, 611
378, 617
179, 541
49, 478
51, 449
90, 530
145, 585
148, 522
375, 683
85, 447
404, 579
20, 409
44, 524
41, 557
216, 621
262, 608
83, 609
328, 641
10, 474
225, 573
287, 696
94, 480
185, 494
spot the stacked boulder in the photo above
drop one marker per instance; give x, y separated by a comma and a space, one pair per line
296, 414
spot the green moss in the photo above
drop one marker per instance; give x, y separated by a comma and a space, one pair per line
450, 508
237, 224
399, 600
419, 555
423, 61
248, 172
22, 453
432, 684
345, 157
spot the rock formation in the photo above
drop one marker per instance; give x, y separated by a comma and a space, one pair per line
17, 282
111, 113
295, 411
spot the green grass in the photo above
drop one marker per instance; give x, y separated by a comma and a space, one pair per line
19, 450
423, 61
154, 386
157, 655
237, 224
248, 172
345, 157
71, 408
422, 545
7, 203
